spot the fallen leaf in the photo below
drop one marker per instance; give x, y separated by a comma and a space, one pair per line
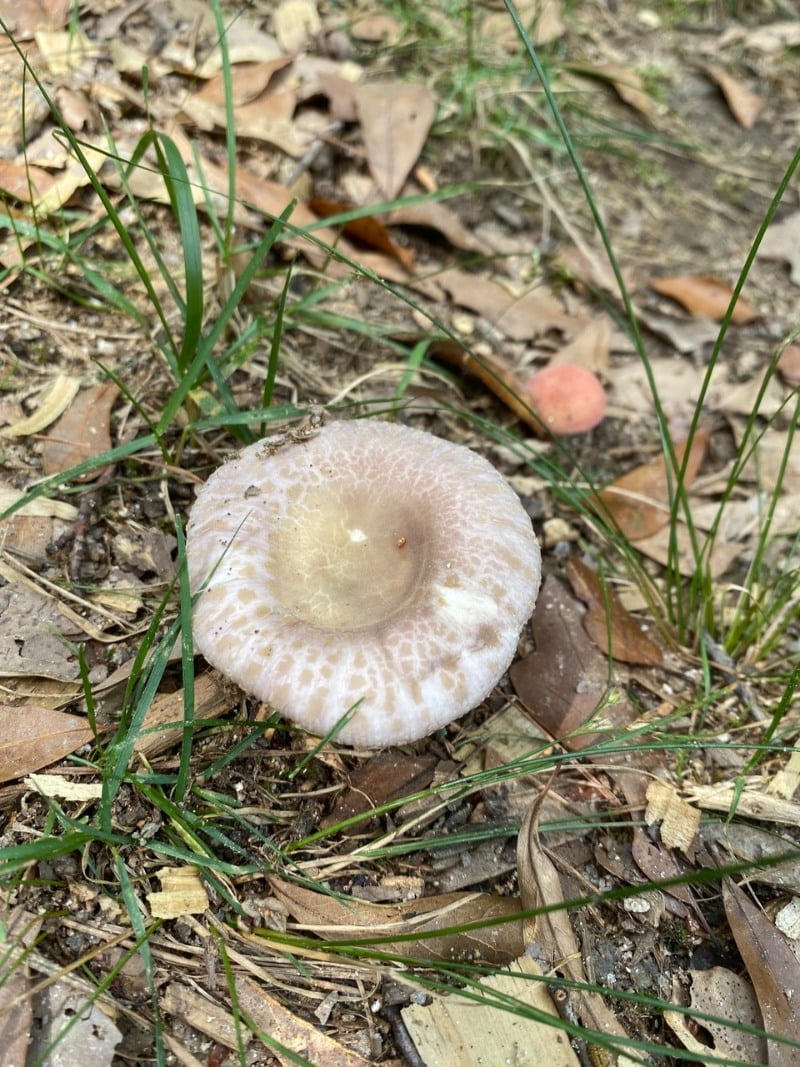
82, 432
54, 401
607, 622
564, 681
522, 317
385, 777
196, 1010
24, 181
627, 84
638, 502
302, 1040
32, 737
773, 969
163, 722
782, 242
722, 993
705, 297
366, 231
744, 104
492, 372
395, 120
550, 936
335, 917
20, 930
457, 1030
590, 348
789, 366
295, 22
434, 215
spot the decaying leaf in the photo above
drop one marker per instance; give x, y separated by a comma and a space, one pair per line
782, 242
367, 231
565, 680
550, 937
83, 431
638, 502
334, 917
32, 737
744, 104
773, 968
458, 1031
705, 297
521, 317
395, 120
492, 372
54, 402
72, 1022
196, 1010
385, 777
723, 993
627, 83
291, 1032
613, 629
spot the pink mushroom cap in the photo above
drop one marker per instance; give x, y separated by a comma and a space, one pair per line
567, 398
371, 568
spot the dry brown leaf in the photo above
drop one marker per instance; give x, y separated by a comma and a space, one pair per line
248, 82
773, 968
25, 182
83, 431
162, 726
291, 1031
493, 373
334, 918
385, 777
368, 231
376, 28
522, 318
20, 930
24, 17
198, 1011
705, 297
434, 215
606, 619
627, 84
638, 502
782, 242
564, 680
743, 103
590, 348
54, 401
550, 936
789, 366
395, 120
32, 737
722, 993
460, 1032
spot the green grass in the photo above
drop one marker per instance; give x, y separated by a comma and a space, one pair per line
195, 816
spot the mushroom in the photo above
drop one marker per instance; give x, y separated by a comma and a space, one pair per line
370, 568
567, 398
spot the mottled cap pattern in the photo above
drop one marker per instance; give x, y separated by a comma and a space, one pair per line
371, 568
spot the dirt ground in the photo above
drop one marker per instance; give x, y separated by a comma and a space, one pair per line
686, 119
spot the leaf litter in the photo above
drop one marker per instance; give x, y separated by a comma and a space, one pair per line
586, 654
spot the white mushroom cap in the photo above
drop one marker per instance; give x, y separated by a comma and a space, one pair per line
371, 563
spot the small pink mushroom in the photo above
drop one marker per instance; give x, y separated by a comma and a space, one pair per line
566, 398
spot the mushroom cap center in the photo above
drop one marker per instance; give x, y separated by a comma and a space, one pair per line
349, 564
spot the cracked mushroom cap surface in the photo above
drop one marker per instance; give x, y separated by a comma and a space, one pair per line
371, 567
